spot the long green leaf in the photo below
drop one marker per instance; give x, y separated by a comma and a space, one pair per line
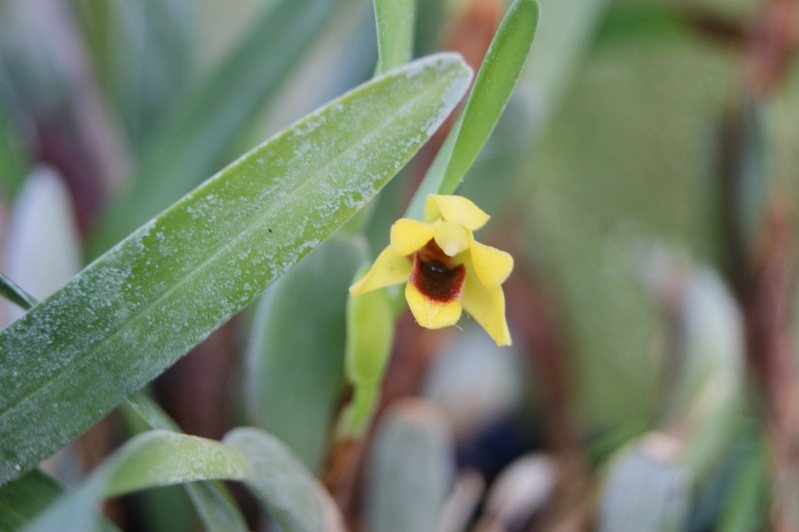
492, 87
296, 358
395, 20
145, 303
204, 129
278, 479
155, 458
211, 499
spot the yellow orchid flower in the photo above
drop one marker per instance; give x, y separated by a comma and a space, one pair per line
446, 269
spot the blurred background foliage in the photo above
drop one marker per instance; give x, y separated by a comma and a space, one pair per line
644, 175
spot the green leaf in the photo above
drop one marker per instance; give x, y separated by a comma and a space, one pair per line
198, 137
395, 20
296, 358
15, 294
492, 87
137, 309
155, 458
212, 500
281, 482
25, 498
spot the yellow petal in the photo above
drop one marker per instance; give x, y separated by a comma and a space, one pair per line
388, 269
409, 235
452, 238
487, 307
454, 209
491, 264
429, 312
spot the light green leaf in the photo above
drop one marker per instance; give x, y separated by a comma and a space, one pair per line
145, 303
395, 20
492, 87
155, 458
198, 137
296, 357
278, 479
213, 502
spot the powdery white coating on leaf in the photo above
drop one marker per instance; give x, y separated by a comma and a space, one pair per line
152, 297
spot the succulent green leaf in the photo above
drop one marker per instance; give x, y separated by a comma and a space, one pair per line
145, 303
492, 88
296, 357
211, 499
395, 21
155, 458
199, 136
280, 481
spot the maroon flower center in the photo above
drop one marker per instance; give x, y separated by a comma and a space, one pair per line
435, 275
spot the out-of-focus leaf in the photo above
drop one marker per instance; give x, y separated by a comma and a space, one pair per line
155, 458
279, 480
211, 499
296, 356
145, 303
561, 45
26, 497
42, 249
747, 505
196, 140
409, 469
395, 21
142, 54
14, 163
645, 491
492, 87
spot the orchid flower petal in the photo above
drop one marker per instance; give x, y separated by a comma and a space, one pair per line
493, 266
388, 269
452, 237
409, 235
487, 306
431, 313
455, 209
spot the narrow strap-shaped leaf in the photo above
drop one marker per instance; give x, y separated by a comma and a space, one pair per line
137, 309
155, 458
492, 87
292, 496
198, 138
211, 499
395, 20
15, 294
